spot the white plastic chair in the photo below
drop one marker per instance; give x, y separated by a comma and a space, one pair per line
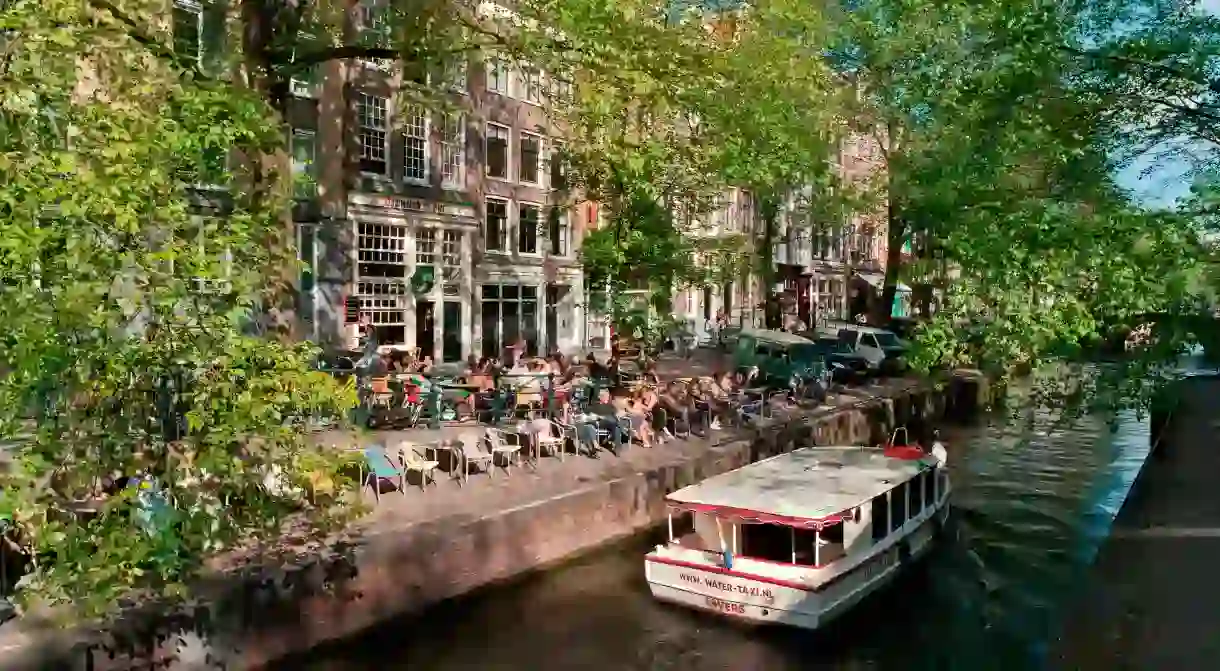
504, 443
412, 460
470, 451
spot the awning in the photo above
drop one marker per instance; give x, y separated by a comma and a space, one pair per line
877, 281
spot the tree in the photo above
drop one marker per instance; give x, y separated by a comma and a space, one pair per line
778, 120
127, 353
998, 161
131, 297
752, 108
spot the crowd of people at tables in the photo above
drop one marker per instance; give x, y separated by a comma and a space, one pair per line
626, 405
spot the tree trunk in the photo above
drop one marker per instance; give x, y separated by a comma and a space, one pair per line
269, 172
768, 208
895, 235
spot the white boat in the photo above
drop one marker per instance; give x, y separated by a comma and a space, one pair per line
799, 538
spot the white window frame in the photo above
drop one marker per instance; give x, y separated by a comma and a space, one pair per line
527, 84
457, 75
195, 8
508, 151
505, 228
366, 22
538, 224
538, 163
410, 113
497, 65
309, 231
553, 148
302, 88
384, 301
212, 286
384, 129
453, 151
300, 135
565, 230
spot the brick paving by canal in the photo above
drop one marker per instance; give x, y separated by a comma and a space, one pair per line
1152, 602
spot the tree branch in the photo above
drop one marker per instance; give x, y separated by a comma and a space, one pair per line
136, 32
1212, 85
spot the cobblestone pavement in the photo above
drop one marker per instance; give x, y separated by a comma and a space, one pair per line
1152, 603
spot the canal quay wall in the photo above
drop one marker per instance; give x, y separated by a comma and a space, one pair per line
1148, 602
400, 561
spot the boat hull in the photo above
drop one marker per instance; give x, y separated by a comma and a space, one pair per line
754, 598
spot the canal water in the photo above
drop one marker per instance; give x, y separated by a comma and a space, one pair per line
1033, 500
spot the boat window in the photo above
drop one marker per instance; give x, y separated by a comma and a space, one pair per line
773, 542
928, 480
831, 545
898, 506
880, 517
682, 527
914, 497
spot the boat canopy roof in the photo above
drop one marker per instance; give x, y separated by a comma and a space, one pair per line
811, 487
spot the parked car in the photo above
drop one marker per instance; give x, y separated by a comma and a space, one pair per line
885, 352
784, 360
843, 362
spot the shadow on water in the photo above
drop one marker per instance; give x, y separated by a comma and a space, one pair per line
1032, 502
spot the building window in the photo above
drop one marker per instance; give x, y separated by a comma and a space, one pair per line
381, 282
529, 84
495, 229
497, 151
372, 20
371, 116
451, 263
188, 30
415, 144
425, 247
497, 76
528, 218
509, 315
556, 167
530, 168
455, 75
304, 152
306, 291
559, 232
453, 151
212, 265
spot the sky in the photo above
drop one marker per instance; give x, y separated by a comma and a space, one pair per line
1167, 180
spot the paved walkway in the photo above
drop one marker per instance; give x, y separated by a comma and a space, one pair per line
549, 477
1154, 604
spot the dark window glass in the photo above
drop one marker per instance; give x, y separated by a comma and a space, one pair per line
527, 230
496, 228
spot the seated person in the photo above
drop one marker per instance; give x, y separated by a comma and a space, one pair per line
605, 417
594, 368
673, 403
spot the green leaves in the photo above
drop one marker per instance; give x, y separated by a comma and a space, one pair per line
122, 355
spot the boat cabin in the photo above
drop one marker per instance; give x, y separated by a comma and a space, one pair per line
807, 509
